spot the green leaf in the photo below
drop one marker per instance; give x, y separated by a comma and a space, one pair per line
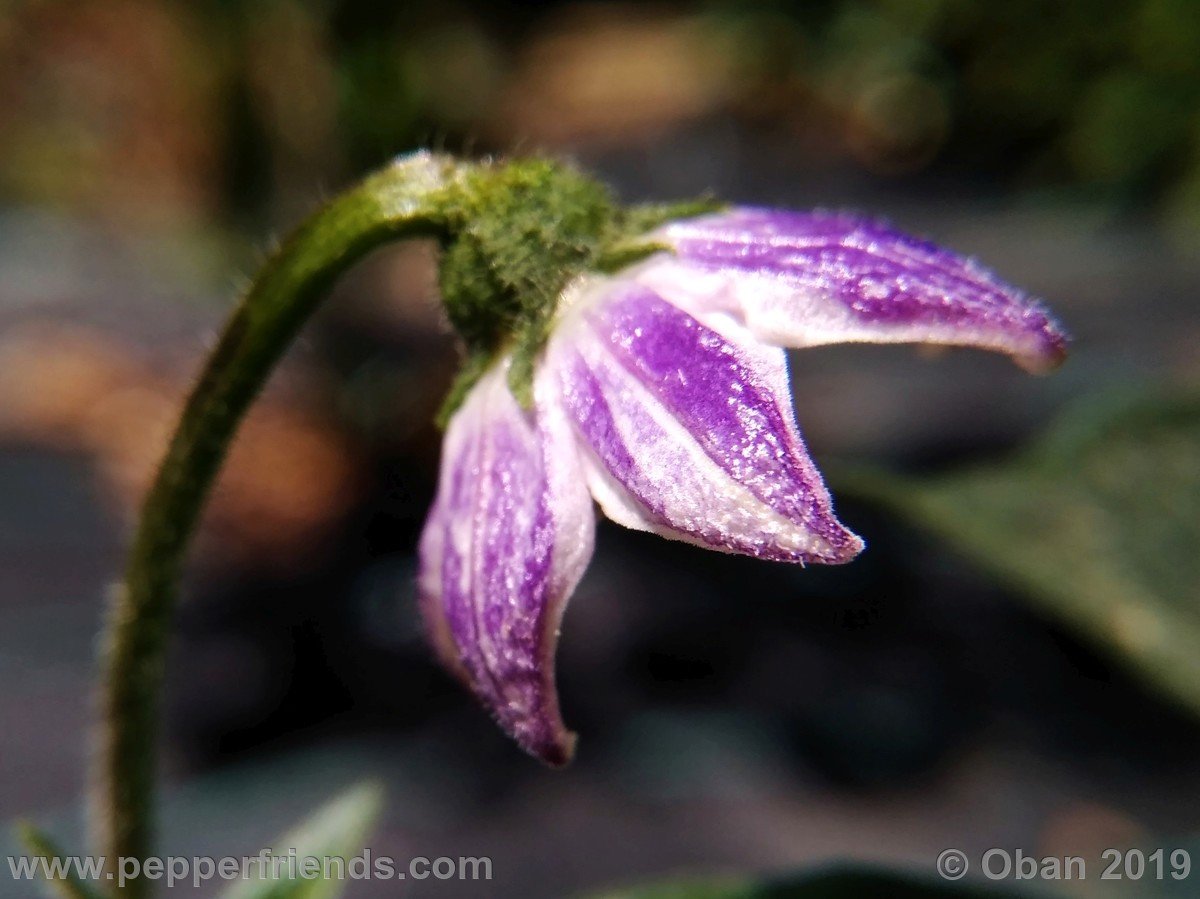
338, 829
41, 844
718, 888
1098, 524
841, 881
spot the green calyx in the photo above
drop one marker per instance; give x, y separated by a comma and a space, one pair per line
516, 234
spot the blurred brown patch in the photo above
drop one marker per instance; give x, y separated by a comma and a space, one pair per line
109, 107
1087, 829
897, 123
608, 74
290, 478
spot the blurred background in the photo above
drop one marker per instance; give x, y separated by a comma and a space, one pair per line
734, 716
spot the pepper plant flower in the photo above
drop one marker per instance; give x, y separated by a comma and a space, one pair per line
659, 392
630, 356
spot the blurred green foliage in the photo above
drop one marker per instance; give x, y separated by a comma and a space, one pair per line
850, 880
845, 881
1102, 95
1098, 524
150, 109
337, 830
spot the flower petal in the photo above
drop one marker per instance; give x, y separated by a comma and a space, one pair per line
689, 430
507, 540
806, 279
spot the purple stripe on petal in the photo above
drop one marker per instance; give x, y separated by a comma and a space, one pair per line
691, 433
804, 279
508, 538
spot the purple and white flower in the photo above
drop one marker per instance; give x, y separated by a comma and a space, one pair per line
662, 394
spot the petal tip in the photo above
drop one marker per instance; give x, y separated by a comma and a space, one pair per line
540, 731
557, 752
845, 548
1051, 352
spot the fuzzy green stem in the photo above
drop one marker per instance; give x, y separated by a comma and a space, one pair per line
407, 199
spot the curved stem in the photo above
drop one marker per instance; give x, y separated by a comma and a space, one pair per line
407, 199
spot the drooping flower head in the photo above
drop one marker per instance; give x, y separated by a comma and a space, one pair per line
635, 360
